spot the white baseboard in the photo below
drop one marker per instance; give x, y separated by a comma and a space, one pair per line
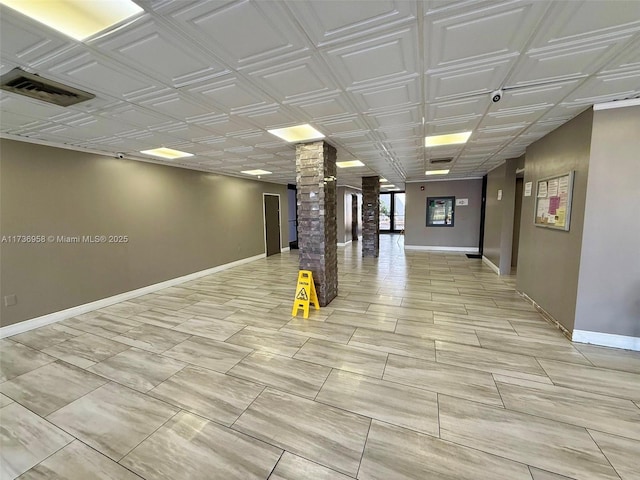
490, 264
441, 249
606, 340
344, 244
285, 249
54, 317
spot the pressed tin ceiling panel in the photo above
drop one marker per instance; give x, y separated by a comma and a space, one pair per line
375, 76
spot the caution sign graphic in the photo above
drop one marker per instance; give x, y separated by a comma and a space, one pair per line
305, 294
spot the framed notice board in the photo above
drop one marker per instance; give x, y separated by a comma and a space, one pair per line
553, 202
440, 211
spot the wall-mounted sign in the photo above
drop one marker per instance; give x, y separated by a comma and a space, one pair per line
462, 202
553, 203
499, 194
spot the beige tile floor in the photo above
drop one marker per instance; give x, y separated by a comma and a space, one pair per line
427, 366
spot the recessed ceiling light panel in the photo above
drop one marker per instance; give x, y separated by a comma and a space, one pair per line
297, 134
448, 139
436, 172
383, 180
349, 164
256, 172
166, 153
79, 19
388, 186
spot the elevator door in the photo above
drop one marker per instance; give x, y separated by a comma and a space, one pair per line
272, 224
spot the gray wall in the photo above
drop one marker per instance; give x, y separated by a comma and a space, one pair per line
178, 221
344, 216
609, 283
499, 215
493, 215
466, 230
549, 260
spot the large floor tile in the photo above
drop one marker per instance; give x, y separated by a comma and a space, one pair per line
208, 309
624, 454
102, 324
209, 328
434, 306
17, 359
46, 336
399, 454
137, 369
591, 379
76, 461
210, 394
371, 321
293, 467
343, 357
161, 318
48, 388
513, 364
585, 409
85, 350
394, 343
323, 434
4, 400
288, 374
258, 319
151, 338
467, 322
612, 358
320, 330
26, 440
268, 340
389, 402
124, 309
555, 349
436, 332
190, 447
113, 419
542, 443
539, 474
219, 356
442, 378
404, 313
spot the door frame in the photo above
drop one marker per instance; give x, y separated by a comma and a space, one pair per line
264, 220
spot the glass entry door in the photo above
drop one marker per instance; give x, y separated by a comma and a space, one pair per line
392, 212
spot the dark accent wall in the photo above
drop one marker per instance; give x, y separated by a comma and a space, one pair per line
609, 282
549, 260
466, 230
178, 221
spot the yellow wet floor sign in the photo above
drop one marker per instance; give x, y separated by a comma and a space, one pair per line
305, 294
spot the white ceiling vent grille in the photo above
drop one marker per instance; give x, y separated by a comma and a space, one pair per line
440, 160
34, 86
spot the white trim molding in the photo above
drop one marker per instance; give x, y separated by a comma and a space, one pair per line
491, 265
606, 340
436, 248
631, 102
285, 249
54, 317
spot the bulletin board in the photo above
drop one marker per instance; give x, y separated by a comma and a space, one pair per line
553, 202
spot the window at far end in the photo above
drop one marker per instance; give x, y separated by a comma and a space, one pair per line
440, 211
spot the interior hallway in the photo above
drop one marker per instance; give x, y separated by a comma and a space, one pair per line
427, 365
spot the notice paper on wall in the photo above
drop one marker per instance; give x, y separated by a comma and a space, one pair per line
542, 189
553, 188
499, 194
527, 189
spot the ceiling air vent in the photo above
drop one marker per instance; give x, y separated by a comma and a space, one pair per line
34, 86
440, 160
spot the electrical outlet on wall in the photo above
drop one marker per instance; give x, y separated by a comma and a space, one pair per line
10, 300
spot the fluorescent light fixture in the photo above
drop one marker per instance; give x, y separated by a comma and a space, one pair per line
298, 133
168, 153
349, 164
383, 180
256, 172
448, 139
436, 172
388, 186
79, 19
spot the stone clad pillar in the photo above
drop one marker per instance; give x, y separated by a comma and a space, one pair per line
370, 216
317, 208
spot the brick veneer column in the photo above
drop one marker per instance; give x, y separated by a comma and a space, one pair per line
370, 216
317, 208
